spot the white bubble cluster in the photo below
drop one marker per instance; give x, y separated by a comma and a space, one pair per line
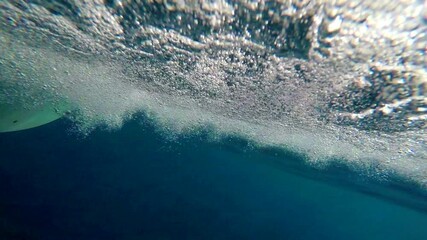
335, 79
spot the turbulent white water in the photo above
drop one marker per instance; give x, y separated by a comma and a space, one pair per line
329, 79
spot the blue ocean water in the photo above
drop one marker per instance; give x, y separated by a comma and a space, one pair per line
219, 119
136, 183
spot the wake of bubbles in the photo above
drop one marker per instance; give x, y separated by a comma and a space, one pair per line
195, 72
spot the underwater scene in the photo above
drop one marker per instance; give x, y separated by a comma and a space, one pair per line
213, 119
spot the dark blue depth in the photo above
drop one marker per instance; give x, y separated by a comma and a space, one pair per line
136, 184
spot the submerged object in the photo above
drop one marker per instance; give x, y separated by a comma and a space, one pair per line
15, 118
25, 104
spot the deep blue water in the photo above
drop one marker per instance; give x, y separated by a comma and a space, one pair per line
136, 183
